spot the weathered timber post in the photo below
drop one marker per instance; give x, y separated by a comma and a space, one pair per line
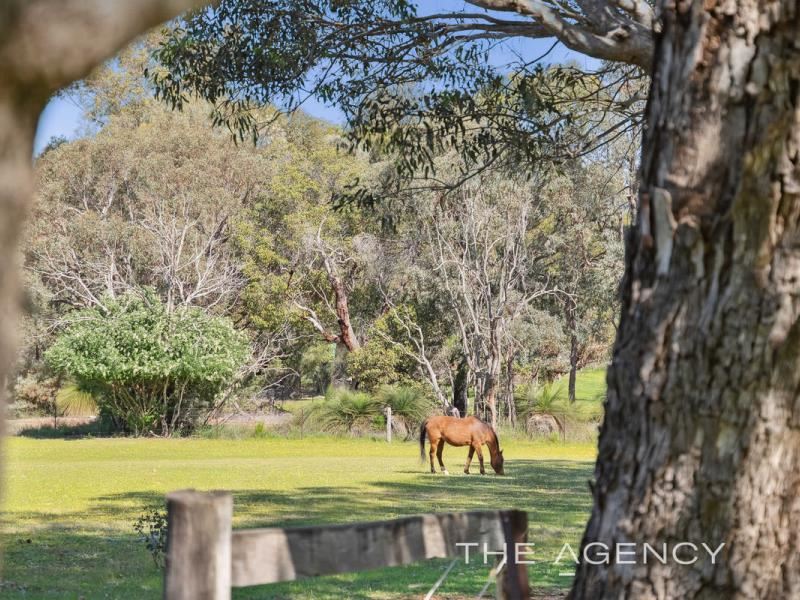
389, 424
198, 546
512, 583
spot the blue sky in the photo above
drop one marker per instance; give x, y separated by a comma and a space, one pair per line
62, 117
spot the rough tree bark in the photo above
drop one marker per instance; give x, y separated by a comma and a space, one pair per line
701, 439
45, 45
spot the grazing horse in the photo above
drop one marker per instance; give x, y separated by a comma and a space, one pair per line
469, 431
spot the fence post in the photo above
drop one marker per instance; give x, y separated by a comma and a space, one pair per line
198, 546
512, 581
389, 424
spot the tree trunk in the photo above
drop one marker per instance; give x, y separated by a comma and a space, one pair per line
433, 380
339, 366
701, 438
17, 128
492, 384
479, 407
490, 400
493, 368
346, 334
569, 312
511, 407
461, 386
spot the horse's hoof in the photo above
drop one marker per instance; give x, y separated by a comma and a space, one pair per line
466, 472
445, 472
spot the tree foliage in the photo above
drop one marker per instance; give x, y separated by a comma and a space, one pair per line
410, 84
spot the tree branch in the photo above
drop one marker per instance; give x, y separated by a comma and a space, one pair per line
51, 43
615, 37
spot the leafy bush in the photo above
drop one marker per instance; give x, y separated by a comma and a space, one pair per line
541, 407
151, 528
150, 370
347, 411
542, 401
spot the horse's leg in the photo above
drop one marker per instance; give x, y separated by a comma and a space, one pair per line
439, 456
434, 444
480, 459
469, 459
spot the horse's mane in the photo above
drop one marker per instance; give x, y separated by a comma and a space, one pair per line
494, 433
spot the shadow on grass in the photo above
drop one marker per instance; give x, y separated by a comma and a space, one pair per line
96, 428
59, 561
66, 561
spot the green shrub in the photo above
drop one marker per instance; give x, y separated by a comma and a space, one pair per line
347, 411
542, 399
40, 394
150, 371
409, 404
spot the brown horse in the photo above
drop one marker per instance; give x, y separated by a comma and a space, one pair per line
469, 431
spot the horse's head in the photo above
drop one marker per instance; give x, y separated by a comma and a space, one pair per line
497, 462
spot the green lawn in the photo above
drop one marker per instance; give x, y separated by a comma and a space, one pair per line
70, 507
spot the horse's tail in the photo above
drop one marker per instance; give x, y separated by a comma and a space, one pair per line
422, 432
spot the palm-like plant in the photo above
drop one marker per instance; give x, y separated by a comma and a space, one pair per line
545, 399
73, 401
409, 405
346, 411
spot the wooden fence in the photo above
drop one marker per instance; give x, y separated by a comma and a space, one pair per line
206, 557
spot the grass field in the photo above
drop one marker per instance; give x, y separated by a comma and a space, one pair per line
71, 504
590, 385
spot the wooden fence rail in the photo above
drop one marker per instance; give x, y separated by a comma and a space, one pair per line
206, 557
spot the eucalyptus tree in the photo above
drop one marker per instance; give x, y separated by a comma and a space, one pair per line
486, 247
588, 200
150, 200
306, 263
